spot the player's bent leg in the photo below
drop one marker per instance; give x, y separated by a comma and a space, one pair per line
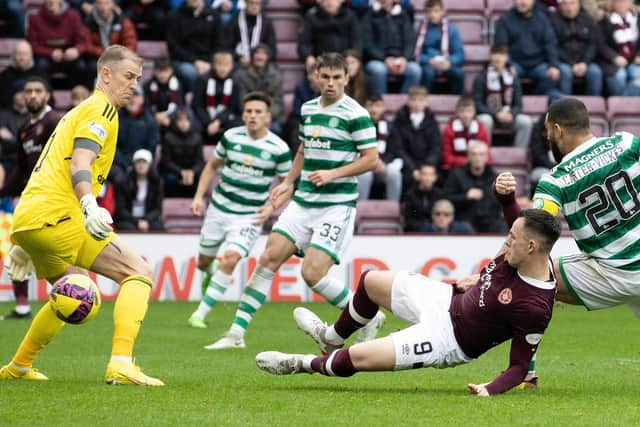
375, 355
279, 248
378, 285
119, 262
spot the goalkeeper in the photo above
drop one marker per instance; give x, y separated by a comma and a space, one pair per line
59, 229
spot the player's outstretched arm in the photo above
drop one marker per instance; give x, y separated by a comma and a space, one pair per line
97, 220
367, 161
504, 189
206, 177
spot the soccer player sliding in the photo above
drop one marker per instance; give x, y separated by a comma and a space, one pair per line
512, 299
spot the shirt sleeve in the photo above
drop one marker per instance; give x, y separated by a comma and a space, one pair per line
98, 125
547, 196
221, 148
524, 345
363, 133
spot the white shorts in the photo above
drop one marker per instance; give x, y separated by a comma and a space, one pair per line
231, 231
329, 229
597, 285
430, 342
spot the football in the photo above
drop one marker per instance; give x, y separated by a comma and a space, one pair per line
75, 298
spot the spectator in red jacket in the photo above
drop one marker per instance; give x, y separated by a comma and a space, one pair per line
57, 37
461, 130
104, 27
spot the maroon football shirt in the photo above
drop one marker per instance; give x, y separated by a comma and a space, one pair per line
32, 137
503, 305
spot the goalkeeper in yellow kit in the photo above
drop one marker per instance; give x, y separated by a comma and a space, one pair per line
60, 229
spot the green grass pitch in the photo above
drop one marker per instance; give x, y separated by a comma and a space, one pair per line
589, 365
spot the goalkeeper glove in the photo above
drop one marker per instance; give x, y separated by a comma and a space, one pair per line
18, 264
97, 220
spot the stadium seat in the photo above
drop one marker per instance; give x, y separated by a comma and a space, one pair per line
287, 26
534, 105
393, 102
626, 125
176, 214
623, 106
288, 103
623, 114
288, 52
476, 55
283, 6
473, 28
469, 77
62, 99
7, 46
443, 106
467, 7
514, 160
378, 217
597, 114
151, 50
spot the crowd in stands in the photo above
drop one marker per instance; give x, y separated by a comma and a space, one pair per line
219, 50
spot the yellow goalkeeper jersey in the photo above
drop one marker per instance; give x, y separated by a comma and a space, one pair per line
49, 196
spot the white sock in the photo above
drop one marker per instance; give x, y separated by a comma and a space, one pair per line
333, 290
23, 309
125, 359
306, 362
332, 336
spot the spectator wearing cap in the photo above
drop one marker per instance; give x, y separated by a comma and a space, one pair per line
21, 66
388, 40
104, 26
181, 161
262, 75
138, 129
139, 196
248, 29
58, 40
